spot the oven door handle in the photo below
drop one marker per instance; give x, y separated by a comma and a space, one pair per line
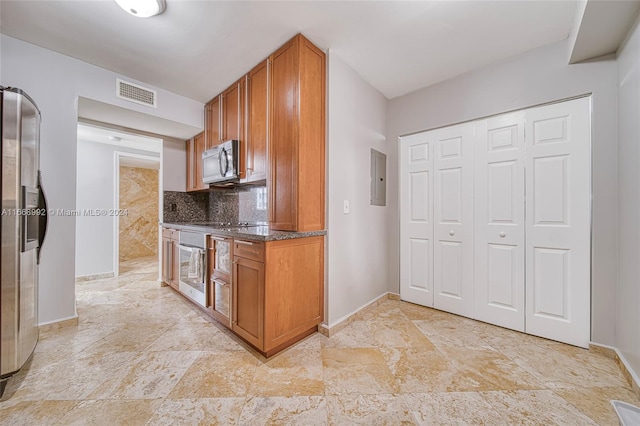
189, 248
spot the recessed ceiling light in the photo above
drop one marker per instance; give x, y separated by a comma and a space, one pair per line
142, 8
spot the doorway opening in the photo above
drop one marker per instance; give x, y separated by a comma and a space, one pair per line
137, 213
118, 199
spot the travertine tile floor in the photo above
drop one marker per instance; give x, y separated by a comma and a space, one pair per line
142, 355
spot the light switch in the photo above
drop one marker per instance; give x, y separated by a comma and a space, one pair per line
346, 206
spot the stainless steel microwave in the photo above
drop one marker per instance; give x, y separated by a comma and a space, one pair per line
220, 164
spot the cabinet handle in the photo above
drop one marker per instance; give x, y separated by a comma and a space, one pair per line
502, 234
217, 238
170, 261
247, 243
451, 233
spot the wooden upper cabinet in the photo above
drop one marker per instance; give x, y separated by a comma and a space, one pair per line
232, 111
195, 148
257, 122
233, 118
213, 122
296, 184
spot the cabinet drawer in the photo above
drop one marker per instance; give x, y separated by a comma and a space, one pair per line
249, 249
166, 233
172, 234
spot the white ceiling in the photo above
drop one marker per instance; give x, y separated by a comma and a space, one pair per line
105, 135
198, 48
89, 109
602, 27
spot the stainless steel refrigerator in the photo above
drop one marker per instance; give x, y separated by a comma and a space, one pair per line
24, 222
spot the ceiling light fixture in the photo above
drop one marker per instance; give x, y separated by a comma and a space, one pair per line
143, 8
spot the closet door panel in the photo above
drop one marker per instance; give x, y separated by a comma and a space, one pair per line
453, 225
499, 220
416, 219
558, 226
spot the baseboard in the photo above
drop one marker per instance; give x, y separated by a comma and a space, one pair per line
332, 329
616, 355
53, 325
94, 277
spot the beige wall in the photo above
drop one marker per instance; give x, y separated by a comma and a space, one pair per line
358, 247
139, 227
628, 292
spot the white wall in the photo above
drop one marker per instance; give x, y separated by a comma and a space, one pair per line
96, 190
628, 307
174, 165
535, 77
358, 249
55, 81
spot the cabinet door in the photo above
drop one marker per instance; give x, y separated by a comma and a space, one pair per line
219, 278
232, 114
283, 141
196, 161
213, 123
175, 260
232, 119
167, 262
257, 123
248, 300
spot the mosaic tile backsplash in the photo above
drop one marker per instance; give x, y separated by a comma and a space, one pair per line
240, 204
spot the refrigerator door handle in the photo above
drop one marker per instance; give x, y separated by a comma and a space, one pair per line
44, 218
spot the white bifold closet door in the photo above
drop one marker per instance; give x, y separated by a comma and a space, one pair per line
436, 198
496, 220
453, 219
416, 218
558, 211
499, 220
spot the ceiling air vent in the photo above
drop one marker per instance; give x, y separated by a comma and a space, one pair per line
135, 93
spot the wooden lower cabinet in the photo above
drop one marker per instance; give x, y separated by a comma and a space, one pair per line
248, 291
220, 252
280, 299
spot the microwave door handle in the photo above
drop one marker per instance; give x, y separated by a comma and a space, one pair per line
223, 154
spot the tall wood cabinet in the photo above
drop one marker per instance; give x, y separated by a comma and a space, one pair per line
195, 148
297, 137
277, 112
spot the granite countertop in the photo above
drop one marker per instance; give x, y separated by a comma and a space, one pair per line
254, 233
